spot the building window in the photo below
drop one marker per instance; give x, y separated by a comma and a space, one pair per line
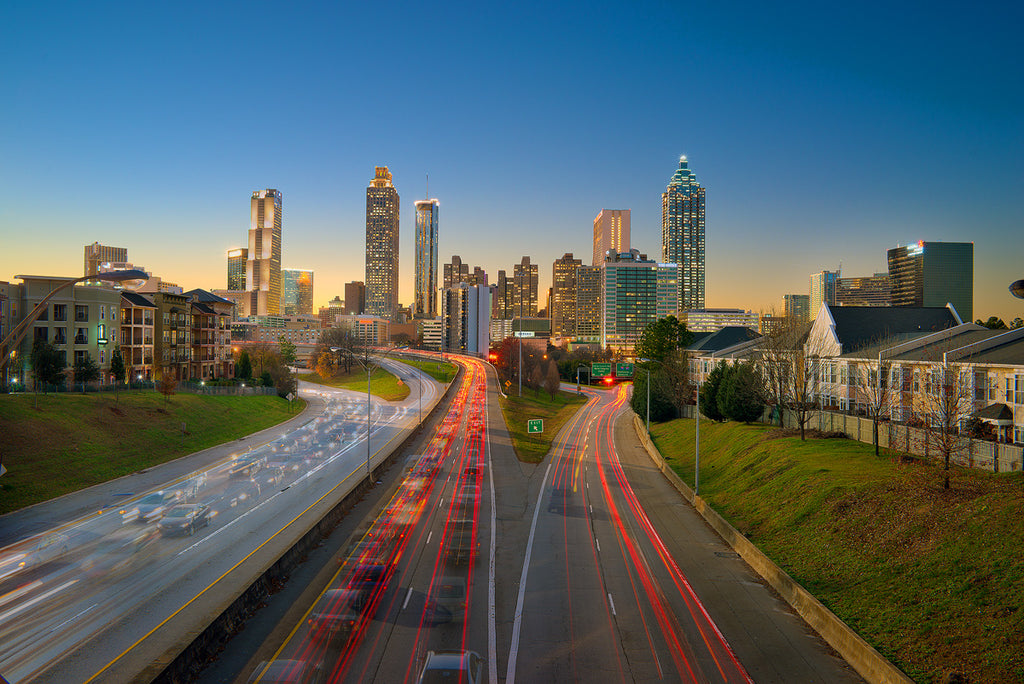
60, 335
60, 312
81, 314
43, 335
103, 313
82, 336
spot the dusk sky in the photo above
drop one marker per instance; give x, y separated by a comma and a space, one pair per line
824, 135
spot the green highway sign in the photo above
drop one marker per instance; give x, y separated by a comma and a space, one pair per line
600, 370
623, 370
535, 425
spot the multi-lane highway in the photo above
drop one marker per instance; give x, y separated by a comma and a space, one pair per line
75, 598
588, 567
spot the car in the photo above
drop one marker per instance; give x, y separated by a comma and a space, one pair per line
246, 466
452, 666
185, 519
450, 594
151, 507
461, 545
368, 581
336, 615
34, 553
286, 672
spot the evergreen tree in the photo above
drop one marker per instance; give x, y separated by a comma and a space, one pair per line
741, 397
243, 369
710, 390
86, 369
47, 364
117, 369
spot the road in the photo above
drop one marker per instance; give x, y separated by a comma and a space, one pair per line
76, 597
588, 567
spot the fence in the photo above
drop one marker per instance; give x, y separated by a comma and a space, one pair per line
994, 456
225, 390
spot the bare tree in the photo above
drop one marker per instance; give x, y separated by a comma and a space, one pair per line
944, 408
167, 384
873, 383
551, 380
789, 361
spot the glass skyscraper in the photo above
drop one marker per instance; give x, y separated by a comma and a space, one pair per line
298, 291
263, 267
933, 274
425, 299
682, 234
382, 246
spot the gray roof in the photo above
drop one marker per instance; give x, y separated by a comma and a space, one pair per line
861, 326
135, 299
200, 295
724, 338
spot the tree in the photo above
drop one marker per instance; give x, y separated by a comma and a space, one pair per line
1017, 322
266, 378
710, 391
741, 397
243, 369
661, 407
778, 350
284, 380
117, 371
993, 323
86, 369
166, 384
551, 380
661, 338
286, 350
47, 364
945, 405
536, 378
872, 380
326, 365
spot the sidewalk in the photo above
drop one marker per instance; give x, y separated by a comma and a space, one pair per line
43, 516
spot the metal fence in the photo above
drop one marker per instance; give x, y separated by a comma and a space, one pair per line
977, 453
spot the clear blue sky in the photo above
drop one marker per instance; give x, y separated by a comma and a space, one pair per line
824, 135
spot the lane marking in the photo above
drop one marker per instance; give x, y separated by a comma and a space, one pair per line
598, 542
407, 597
429, 536
611, 602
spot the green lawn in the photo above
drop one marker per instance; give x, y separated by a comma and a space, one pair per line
444, 374
73, 441
933, 579
532, 448
382, 383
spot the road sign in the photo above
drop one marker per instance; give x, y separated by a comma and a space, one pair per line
535, 425
508, 383
623, 370
600, 370
291, 396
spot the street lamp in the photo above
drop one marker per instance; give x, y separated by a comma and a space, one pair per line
578, 369
14, 339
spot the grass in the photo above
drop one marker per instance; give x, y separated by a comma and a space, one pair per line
382, 383
931, 578
75, 441
445, 374
532, 448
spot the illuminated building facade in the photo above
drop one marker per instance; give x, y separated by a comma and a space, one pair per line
682, 234
263, 266
823, 290
382, 205
933, 274
236, 268
629, 296
588, 303
297, 291
563, 296
97, 254
611, 233
524, 289
425, 293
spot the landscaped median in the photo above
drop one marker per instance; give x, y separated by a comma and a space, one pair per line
75, 441
383, 384
443, 372
930, 578
518, 411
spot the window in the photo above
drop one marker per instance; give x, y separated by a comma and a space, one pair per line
60, 335
43, 335
82, 336
103, 313
81, 313
60, 312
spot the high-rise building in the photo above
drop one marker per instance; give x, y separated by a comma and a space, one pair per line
823, 290
797, 307
477, 277
668, 290
467, 319
611, 233
629, 299
328, 315
524, 289
933, 274
502, 304
382, 245
456, 272
863, 291
563, 296
236, 268
682, 234
263, 267
298, 291
588, 303
424, 303
355, 298
96, 254
710, 320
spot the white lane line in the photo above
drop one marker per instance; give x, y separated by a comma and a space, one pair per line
492, 632
510, 675
611, 602
70, 619
591, 509
598, 542
407, 597
429, 536
28, 604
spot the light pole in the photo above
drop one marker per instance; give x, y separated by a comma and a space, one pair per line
578, 369
696, 422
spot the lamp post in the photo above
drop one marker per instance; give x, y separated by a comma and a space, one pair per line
696, 423
16, 336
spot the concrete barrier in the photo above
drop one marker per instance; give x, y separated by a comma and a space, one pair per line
861, 655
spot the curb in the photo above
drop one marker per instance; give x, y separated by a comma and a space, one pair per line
862, 656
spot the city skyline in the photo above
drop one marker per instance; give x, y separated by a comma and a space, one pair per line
789, 123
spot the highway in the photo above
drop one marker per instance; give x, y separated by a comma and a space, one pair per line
76, 597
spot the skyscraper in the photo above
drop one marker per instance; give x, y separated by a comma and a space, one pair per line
933, 274
863, 291
524, 289
629, 299
298, 291
682, 234
823, 291
236, 268
355, 297
382, 245
425, 299
797, 306
588, 303
263, 267
502, 305
96, 254
563, 296
611, 232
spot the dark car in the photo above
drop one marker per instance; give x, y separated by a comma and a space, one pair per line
336, 615
368, 581
452, 666
185, 519
151, 507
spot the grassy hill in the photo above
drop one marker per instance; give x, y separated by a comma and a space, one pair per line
933, 579
74, 441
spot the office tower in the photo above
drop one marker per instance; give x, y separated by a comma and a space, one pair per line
682, 234
382, 245
797, 306
467, 319
611, 233
524, 289
477, 277
355, 298
263, 267
456, 272
668, 290
629, 295
710, 320
298, 291
933, 274
563, 296
502, 305
96, 254
329, 314
588, 303
424, 303
236, 268
823, 290
863, 291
